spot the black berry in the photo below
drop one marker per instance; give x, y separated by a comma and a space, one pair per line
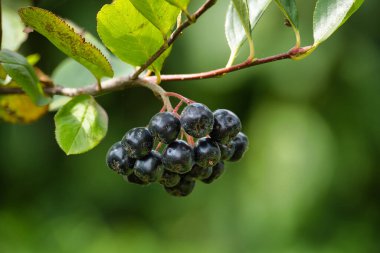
197, 120
198, 172
183, 188
240, 142
217, 171
206, 152
138, 142
169, 179
134, 180
178, 157
226, 151
149, 168
226, 126
118, 161
165, 127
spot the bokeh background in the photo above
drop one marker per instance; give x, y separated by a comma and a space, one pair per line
309, 183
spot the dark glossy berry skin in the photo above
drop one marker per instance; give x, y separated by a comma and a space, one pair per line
226, 151
183, 188
138, 142
240, 142
198, 172
226, 126
206, 152
149, 168
217, 171
165, 127
197, 120
169, 179
178, 157
118, 161
134, 180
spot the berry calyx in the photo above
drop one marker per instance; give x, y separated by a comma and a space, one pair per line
183, 188
118, 161
138, 142
197, 120
149, 168
206, 152
165, 127
217, 171
240, 142
226, 126
178, 157
169, 179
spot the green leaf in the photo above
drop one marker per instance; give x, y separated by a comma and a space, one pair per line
289, 8
234, 29
65, 39
182, 4
129, 35
18, 68
160, 13
80, 125
329, 15
13, 28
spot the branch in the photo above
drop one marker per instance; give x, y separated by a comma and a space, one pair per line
190, 20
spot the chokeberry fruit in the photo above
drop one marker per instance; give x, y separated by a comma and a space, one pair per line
198, 172
183, 188
197, 120
134, 179
240, 142
217, 171
226, 151
165, 127
178, 157
226, 126
138, 142
206, 152
149, 168
169, 179
118, 160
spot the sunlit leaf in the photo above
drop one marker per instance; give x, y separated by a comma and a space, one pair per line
21, 72
129, 35
160, 13
182, 4
80, 125
329, 15
64, 38
13, 28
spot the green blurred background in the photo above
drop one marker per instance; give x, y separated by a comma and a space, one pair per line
309, 183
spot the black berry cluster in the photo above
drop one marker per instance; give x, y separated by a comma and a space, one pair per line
175, 163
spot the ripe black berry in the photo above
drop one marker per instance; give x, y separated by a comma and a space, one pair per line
217, 171
134, 179
197, 120
169, 179
183, 188
138, 142
149, 168
240, 142
165, 127
118, 161
178, 157
198, 172
206, 152
226, 151
226, 126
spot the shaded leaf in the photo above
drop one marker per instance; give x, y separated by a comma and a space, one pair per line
65, 39
129, 35
289, 8
160, 13
329, 15
13, 28
21, 72
182, 4
80, 125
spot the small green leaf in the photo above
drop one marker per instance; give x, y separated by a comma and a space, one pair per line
65, 39
80, 125
160, 13
234, 29
182, 4
18, 68
129, 35
13, 28
329, 15
289, 8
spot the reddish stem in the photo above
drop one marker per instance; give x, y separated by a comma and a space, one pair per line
180, 97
